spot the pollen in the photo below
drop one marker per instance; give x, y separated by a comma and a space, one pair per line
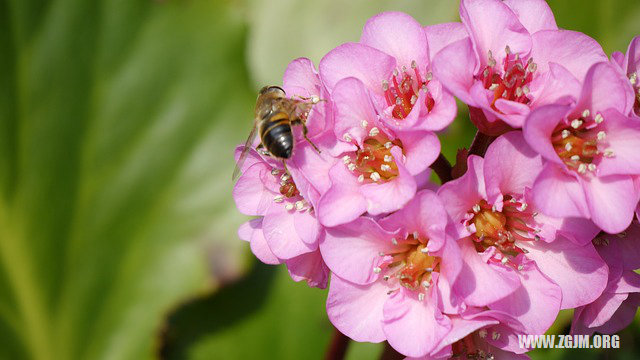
373, 161
509, 81
501, 229
402, 91
581, 143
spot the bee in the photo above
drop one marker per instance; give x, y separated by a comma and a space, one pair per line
274, 115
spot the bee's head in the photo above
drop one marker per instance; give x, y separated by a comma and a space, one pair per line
275, 90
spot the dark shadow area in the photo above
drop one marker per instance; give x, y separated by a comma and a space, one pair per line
206, 315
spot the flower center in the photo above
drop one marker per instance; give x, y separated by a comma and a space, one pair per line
410, 264
510, 83
402, 90
469, 348
502, 229
373, 162
635, 84
577, 142
289, 194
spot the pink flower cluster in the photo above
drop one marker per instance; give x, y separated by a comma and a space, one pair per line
543, 220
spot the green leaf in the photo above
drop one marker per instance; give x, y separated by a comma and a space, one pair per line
266, 315
117, 124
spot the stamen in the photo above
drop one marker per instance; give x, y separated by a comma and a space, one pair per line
374, 131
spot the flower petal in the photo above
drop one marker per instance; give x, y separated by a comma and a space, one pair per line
612, 201
623, 138
440, 36
391, 195
573, 50
353, 106
535, 304
280, 232
510, 166
454, 68
493, 26
352, 251
384, 32
622, 249
404, 312
343, 202
356, 310
461, 194
259, 246
310, 268
369, 65
559, 194
578, 270
557, 85
480, 283
421, 149
539, 126
604, 88
252, 197
534, 15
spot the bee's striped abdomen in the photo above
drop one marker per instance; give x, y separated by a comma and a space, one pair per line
277, 137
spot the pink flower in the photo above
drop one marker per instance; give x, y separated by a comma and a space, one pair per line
392, 60
390, 278
523, 262
629, 65
287, 230
615, 308
481, 334
514, 60
590, 148
378, 167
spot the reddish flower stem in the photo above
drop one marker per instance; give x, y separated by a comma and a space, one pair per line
390, 354
480, 143
442, 168
338, 346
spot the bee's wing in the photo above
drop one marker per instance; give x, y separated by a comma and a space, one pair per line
245, 152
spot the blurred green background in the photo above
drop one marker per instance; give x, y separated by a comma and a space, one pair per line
117, 123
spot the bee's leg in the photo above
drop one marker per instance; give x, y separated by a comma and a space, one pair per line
304, 133
261, 150
286, 170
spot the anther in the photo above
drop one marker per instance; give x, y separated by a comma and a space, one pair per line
346, 159
608, 153
568, 146
374, 176
495, 335
388, 145
582, 168
299, 205
385, 167
507, 50
374, 131
361, 178
278, 198
413, 99
493, 87
586, 113
601, 135
525, 90
346, 137
385, 85
377, 270
523, 207
592, 167
275, 172
416, 235
421, 296
351, 166
364, 124
598, 119
385, 278
565, 133
394, 241
576, 123
575, 157
520, 267
425, 284
424, 250
482, 333
476, 208
388, 158
414, 64
289, 206
504, 260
